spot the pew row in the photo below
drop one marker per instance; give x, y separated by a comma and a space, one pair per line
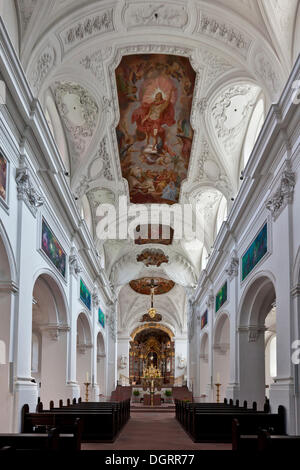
100, 422
212, 422
52, 440
262, 440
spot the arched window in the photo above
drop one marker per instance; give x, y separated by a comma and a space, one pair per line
86, 213
254, 127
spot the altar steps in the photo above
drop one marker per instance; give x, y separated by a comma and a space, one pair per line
136, 408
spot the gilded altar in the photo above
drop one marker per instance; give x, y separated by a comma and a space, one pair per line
152, 349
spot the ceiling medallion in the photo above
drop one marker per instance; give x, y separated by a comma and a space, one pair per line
143, 285
152, 257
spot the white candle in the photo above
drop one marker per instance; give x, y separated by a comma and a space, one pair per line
218, 377
87, 377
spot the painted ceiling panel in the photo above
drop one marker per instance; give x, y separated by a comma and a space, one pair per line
154, 134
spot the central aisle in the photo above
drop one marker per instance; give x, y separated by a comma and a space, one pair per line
154, 431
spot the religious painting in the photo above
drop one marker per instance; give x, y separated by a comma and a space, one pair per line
204, 320
85, 295
3, 178
52, 248
154, 133
144, 285
221, 296
101, 317
153, 233
255, 252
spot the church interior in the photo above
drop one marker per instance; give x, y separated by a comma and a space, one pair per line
149, 225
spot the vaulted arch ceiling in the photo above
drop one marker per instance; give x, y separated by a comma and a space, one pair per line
241, 51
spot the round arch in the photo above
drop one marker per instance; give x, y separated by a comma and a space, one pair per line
256, 303
204, 367
8, 283
50, 327
54, 286
159, 326
221, 353
84, 351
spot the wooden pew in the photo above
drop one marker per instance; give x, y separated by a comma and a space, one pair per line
97, 426
122, 409
52, 440
267, 442
217, 427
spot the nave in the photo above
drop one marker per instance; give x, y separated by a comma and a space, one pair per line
154, 431
149, 224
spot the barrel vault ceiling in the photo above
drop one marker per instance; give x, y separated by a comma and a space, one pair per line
241, 52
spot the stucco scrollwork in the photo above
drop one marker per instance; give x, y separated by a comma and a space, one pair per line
26, 191
284, 193
152, 14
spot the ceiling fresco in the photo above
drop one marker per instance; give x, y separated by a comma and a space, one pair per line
155, 93
143, 285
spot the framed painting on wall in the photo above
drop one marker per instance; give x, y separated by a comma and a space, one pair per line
101, 317
3, 178
53, 249
255, 252
85, 295
221, 296
204, 320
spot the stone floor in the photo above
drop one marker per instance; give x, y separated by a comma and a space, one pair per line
154, 431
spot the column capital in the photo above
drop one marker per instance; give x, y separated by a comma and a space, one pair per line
284, 193
54, 330
26, 189
233, 268
253, 332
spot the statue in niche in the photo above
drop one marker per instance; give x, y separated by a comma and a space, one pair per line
181, 361
123, 361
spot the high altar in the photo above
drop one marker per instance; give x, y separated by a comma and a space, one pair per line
152, 347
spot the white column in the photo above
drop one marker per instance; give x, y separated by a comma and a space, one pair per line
24, 390
282, 391
73, 388
94, 386
111, 355
210, 317
233, 385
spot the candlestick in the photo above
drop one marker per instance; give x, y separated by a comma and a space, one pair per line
87, 376
87, 391
218, 385
218, 377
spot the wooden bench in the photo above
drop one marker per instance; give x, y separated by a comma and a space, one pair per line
52, 440
97, 426
277, 443
217, 426
121, 409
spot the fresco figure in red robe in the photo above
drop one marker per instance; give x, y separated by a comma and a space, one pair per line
150, 117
